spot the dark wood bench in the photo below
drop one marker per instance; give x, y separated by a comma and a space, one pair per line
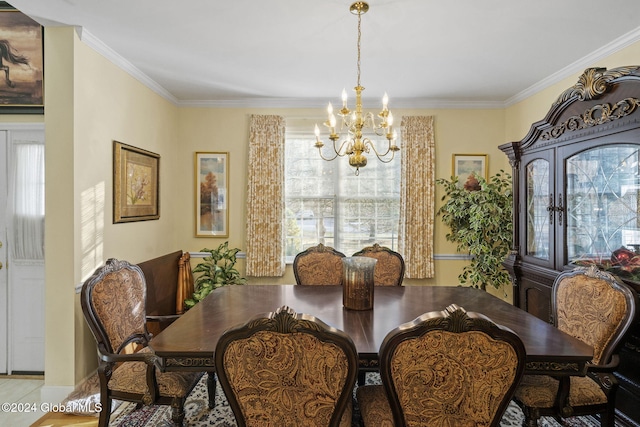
161, 275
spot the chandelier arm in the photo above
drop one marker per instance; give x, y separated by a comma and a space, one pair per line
380, 130
369, 120
346, 123
326, 158
383, 160
380, 156
338, 151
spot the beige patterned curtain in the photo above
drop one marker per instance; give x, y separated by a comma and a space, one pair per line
265, 197
417, 192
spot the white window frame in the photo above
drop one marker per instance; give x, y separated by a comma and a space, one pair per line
336, 238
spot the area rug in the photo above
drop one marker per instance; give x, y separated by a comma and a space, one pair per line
198, 414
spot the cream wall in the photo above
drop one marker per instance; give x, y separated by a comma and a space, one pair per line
60, 301
215, 129
90, 102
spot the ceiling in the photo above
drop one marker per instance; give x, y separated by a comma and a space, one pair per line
303, 52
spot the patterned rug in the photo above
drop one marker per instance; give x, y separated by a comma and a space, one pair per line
198, 415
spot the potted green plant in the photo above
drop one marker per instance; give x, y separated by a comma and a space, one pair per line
216, 270
479, 216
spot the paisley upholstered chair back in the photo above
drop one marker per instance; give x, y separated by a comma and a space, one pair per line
287, 369
113, 302
389, 269
595, 307
117, 295
318, 265
450, 368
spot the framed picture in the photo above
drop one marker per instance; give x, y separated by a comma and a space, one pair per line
136, 184
467, 164
21, 63
212, 183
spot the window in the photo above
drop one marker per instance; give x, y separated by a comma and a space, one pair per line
26, 199
325, 202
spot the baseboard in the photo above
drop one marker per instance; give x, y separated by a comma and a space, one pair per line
28, 373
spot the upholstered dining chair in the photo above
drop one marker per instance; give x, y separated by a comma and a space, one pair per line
318, 265
113, 302
445, 368
287, 369
597, 308
389, 269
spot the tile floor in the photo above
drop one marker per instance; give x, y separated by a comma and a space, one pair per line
17, 393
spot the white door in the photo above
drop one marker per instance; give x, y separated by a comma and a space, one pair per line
22, 336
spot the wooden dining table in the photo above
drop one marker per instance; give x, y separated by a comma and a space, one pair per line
189, 343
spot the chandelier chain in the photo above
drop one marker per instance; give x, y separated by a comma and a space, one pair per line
359, 36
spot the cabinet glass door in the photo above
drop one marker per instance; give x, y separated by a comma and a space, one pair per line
602, 187
538, 200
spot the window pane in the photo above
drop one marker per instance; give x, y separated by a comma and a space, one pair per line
325, 202
538, 193
602, 202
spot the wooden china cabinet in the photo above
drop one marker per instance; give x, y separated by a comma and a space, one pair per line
576, 184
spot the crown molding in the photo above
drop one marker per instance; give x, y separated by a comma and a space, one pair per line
417, 103
405, 103
113, 56
578, 66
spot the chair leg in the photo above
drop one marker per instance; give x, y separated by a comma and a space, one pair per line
105, 412
531, 417
177, 411
608, 418
211, 389
362, 377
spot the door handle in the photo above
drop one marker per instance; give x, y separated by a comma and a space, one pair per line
560, 209
0, 266
550, 209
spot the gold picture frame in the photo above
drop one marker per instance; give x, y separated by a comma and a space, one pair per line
136, 184
22, 62
211, 188
467, 164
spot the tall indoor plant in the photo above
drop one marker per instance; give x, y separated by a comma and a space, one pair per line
216, 270
479, 217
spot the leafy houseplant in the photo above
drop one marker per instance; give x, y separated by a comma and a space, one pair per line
216, 270
478, 215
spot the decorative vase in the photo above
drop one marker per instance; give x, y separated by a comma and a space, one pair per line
357, 288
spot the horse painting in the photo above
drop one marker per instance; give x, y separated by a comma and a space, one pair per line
9, 54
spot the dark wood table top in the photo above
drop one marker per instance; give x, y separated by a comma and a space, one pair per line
190, 341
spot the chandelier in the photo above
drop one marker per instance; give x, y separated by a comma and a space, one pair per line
355, 145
